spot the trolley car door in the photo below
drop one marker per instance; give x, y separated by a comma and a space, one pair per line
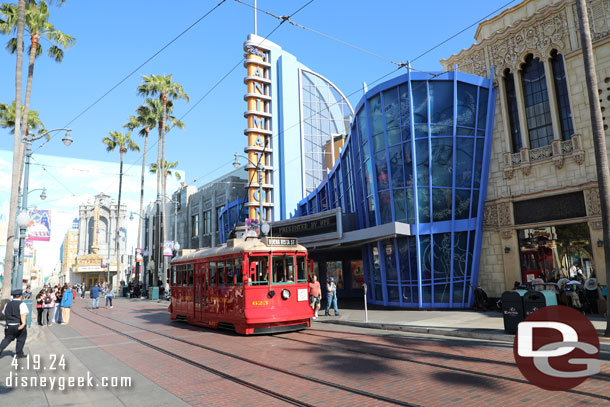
198, 297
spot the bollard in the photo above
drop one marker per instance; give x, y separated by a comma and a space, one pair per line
366, 312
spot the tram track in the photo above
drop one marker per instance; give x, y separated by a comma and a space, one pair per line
246, 360
601, 377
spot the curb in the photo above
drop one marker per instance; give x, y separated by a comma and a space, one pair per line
472, 334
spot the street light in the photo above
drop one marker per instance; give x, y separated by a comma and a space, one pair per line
22, 223
29, 139
259, 171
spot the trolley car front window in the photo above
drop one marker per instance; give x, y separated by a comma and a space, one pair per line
301, 269
259, 270
283, 269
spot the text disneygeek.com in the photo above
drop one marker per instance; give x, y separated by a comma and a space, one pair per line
61, 383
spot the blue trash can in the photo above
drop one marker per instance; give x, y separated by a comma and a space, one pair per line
153, 293
28, 320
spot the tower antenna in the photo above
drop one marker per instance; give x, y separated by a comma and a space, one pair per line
255, 33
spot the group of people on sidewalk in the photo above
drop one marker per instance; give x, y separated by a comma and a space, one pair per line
53, 304
98, 290
315, 296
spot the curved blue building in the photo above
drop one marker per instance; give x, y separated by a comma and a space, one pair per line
414, 172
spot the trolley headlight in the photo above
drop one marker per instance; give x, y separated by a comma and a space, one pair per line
285, 294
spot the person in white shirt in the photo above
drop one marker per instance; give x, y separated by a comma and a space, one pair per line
16, 312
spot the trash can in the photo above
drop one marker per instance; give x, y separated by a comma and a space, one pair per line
28, 319
512, 309
125, 291
534, 300
153, 293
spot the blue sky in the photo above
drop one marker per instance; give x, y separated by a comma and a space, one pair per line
113, 37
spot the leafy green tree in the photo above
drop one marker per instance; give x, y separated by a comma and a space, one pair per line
7, 119
124, 143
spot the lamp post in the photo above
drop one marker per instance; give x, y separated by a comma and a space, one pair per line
259, 171
43, 196
29, 139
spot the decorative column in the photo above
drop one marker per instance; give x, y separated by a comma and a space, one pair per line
525, 141
550, 86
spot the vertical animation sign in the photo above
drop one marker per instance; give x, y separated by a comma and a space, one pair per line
258, 132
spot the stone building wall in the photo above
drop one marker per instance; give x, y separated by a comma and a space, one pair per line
537, 27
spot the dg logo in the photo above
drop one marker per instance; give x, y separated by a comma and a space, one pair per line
557, 348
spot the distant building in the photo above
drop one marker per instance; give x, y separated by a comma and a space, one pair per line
69, 251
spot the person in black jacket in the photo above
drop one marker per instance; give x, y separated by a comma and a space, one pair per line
16, 313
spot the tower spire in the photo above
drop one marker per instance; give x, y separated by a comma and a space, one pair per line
255, 27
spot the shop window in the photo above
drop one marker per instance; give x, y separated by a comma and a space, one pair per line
513, 113
441, 102
427, 294
356, 269
460, 240
537, 109
441, 204
563, 100
334, 269
400, 208
458, 293
389, 260
381, 169
441, 293
385, 207
425, 260
195, 225
393, 293
442, 257
376, 267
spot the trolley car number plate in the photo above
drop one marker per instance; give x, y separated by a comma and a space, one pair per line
302, 294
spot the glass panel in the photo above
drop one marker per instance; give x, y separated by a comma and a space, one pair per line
478, 162
460, 239
441, 294
410, 206
174, 275
513, 113
229, 270
393, 293
405, 133
420, 101
391, 108
463, 164
371, 202
396, 166
439, 131
259, 270
357, 274
423, 198
366, 153
376, 269
441, 102
362, 126
301, 269
403, 259
408, 162
381, 168
442, 162
427, 294
213, 273
378, 141
405, 116
475, 202
421, 153
239, 275
400, 205
389, 259
462, 203
378, 293
413, 259
424, 252
482, 113
563, 101
458, 293
334, 269
385, 206
442, 257
220, 271
441, 204
393, 136
467, 103
463, 131
409, 295
470, 253
537, 107
421, 131
283, 269
368, 181
376, 116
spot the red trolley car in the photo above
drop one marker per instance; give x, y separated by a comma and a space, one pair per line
251, 285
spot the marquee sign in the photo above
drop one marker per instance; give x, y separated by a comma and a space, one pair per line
258, 132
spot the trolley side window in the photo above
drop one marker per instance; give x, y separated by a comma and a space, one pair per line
184, 274
190, 275
220, 270
174, 275
259, 270
283, 269
239, 275
229, 271
301, 269
213, 274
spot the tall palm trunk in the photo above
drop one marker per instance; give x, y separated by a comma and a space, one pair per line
18, 151
599, 140
159, 249
142, 199
118, 230
161, 169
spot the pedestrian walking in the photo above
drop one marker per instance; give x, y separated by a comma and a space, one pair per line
315, 295
109, 295
95, 296
27, 294
48, 305
58, 297
83, 288
331, 291
15, 313
66, 304
39, 303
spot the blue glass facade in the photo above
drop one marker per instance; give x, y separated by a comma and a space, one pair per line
418, 153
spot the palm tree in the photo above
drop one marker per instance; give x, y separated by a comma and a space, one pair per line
16, 18
7, 119
124, 143
163, 87
168, 170
599, 139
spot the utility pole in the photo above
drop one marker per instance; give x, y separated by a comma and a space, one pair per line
599, 138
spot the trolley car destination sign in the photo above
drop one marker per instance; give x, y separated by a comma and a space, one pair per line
282, 241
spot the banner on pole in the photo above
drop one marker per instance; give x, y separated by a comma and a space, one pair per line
39, 227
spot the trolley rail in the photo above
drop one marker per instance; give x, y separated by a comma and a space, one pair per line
246, 360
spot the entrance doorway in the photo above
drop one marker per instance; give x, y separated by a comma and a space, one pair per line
91, 281
548, 252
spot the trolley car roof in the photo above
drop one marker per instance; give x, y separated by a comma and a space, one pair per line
238, 246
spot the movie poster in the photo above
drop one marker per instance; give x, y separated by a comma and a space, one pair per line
39, 227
